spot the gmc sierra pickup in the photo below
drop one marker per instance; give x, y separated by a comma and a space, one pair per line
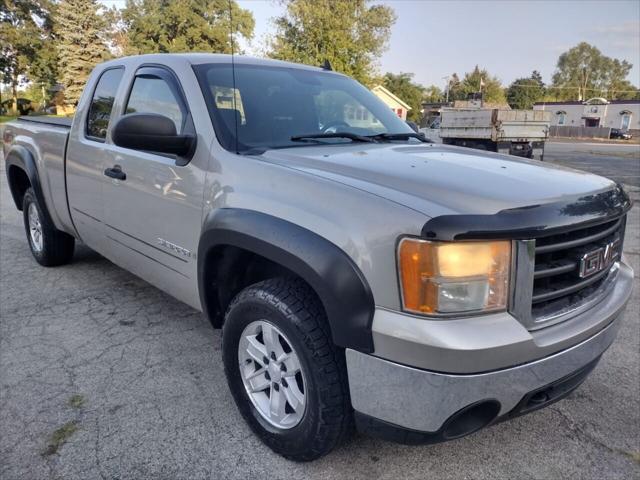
360, 275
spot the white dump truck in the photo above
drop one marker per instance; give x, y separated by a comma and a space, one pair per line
515, 132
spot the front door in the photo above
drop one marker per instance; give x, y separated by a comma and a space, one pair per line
591, 122
87, 152
153, 213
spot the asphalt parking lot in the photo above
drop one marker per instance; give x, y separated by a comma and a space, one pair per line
619, 161
104, 376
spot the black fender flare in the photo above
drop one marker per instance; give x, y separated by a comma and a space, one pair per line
22, 158
336, 279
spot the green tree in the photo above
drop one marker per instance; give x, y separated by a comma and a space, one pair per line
624, 90
25, 38
454, 88
410, 92
433, 94
81, 46
583, 72
350, 34
524, 92
480, 81
163, 26
36, 93
43, 72
617, 86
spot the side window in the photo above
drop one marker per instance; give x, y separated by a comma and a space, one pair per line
102, 102
154, 95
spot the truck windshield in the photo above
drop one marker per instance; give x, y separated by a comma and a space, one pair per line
280, 107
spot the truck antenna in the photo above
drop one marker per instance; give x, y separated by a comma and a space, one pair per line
233, 74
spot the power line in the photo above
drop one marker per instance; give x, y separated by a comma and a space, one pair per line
594, 89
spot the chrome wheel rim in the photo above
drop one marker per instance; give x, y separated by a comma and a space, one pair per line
35, 227
272, 374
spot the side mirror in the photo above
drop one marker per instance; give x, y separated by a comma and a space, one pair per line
152, 133
413, 126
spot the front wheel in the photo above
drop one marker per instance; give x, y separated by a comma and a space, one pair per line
49, 246
286, 376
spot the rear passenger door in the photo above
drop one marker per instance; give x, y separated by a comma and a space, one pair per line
87, 153
153, 216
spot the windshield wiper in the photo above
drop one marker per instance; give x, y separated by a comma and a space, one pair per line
318, 136
399, 136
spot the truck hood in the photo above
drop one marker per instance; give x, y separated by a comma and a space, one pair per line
442, 180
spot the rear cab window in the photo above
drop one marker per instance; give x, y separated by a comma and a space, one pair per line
229, 100
102, 103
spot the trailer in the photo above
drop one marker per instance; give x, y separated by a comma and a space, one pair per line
514, 132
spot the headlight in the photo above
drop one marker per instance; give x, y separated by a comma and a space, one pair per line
454, 277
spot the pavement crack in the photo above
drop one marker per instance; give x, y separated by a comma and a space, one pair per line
588, 437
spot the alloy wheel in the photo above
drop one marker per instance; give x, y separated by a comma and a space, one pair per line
272, 374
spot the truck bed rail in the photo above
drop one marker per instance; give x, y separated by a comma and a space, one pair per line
57, 121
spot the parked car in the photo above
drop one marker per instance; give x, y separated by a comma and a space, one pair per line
618, 133
359, 273
25, 106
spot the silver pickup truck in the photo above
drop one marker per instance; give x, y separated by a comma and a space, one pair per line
360, 275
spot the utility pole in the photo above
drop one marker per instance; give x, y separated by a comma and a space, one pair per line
446, 90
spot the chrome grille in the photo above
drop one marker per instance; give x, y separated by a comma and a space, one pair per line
558, 283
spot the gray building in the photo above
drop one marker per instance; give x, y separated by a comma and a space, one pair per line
596, 112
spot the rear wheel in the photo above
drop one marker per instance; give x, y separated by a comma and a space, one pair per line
49, 246
286, 376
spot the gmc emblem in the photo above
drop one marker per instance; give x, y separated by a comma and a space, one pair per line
597, 260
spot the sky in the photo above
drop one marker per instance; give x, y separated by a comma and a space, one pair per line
510, 38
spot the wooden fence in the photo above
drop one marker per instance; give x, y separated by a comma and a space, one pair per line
579, 132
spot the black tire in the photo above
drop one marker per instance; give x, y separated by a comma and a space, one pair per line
57, 247
292, 307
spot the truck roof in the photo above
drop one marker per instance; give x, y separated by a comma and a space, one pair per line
200, 58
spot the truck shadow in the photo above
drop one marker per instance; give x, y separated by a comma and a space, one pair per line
84, 255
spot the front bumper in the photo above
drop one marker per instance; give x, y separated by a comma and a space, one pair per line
490, 342
389, 395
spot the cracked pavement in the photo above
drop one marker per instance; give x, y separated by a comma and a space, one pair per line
141, 377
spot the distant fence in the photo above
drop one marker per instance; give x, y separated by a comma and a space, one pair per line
579, 132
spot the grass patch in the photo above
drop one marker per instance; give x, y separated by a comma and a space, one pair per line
60, 437
635, 456
6, 118
76, 401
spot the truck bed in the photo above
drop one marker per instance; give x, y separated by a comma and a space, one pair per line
46, 139
495, 125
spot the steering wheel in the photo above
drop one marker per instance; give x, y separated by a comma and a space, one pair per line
332, 127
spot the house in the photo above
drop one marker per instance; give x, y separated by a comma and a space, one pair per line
596, 112
394, 103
